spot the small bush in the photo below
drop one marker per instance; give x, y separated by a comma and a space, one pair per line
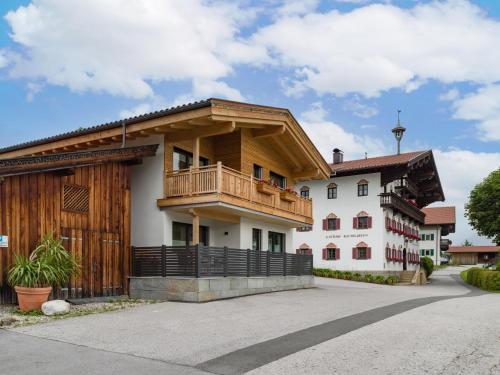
428, 265
356, 276
368, 277
379, 279
391, 280
338, 274
347, 275
497, 267
484, 279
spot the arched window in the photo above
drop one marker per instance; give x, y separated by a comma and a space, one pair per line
331, 191
362, 221
304, 249
332, 222
362, 188
362, 251
331, 252
304, 191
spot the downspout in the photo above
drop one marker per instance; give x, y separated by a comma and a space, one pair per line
124, 134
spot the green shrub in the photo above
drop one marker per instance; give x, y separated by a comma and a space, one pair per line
368, 277
379, 279
391, 280
338, 274
347, 275
428, 265
497, 267
356, 276
484, 279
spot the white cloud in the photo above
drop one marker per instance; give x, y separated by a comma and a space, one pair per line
483, 107
137, 110
122, 47
450, 95
460, 170
33, 89
326, 135
359, 109
297, 7
379, 47
3, 59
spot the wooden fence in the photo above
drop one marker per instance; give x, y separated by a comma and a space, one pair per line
207, 261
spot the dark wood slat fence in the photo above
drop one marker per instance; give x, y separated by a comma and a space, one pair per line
207, 261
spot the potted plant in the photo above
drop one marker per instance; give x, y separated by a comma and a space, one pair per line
265, 187
33, 277
288, 195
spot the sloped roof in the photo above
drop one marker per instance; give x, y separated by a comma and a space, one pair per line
439, 215
111, 125
378, 162
474, 249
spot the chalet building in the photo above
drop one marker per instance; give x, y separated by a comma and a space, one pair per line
215, 175
438, 223
367, 216
474, 254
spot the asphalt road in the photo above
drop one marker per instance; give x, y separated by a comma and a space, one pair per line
340, 327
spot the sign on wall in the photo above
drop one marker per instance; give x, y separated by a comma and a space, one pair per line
4, 241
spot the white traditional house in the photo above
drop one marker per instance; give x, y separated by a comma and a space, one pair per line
368, 214
439, 222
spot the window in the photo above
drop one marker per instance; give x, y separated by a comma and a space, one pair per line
332, 191
304, 191
304, 249
362, 253
182, 233
257, 171
184, 159
431, 237
330, 254
276, 242
363, 222
277, 179
331, 224
427, 252
362, 190
256, 239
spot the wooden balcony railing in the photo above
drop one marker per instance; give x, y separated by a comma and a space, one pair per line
395, 202
242, 188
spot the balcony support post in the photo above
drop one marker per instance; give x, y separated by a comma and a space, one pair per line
196, 227
196, 152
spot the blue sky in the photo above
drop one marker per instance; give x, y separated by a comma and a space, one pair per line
342, 67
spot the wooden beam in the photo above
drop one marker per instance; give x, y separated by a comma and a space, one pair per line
269, 132
206, 131
306, 174
196, 152
286, 153
196, 227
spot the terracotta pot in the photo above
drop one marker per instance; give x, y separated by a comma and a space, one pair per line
32, 298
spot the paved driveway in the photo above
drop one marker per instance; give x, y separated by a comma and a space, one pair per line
364, 325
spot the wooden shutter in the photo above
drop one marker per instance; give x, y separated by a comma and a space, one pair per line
309, 251
368, 253
337, 223
369, 221
355, 223
354, 253
325, 254
337, 253
325, 224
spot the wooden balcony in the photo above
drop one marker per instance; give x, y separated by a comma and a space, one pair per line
396, 203
219, 184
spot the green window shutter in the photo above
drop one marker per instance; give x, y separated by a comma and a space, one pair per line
432, 252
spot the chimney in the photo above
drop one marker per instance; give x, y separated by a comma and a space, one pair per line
338, 156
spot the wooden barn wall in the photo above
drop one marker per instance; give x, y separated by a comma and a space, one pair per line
31, 206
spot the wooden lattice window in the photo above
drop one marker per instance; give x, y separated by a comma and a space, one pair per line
75, 198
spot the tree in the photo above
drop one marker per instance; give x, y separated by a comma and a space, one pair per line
466, 243
483, 207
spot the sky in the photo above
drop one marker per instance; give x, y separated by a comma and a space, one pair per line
343, 67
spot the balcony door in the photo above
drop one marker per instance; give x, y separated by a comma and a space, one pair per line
182, 234
276, 242
184, 159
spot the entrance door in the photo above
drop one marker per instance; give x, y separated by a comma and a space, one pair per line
404, 260
101, 259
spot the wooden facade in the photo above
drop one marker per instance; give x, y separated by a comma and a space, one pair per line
97, 231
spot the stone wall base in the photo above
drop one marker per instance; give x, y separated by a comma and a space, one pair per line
211, 289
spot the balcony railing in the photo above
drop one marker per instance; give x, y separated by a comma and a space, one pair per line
395, 202
240, 189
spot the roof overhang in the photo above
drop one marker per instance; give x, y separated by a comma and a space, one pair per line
69, 160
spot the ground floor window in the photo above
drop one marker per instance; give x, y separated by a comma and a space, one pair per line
331, 254
182, 233
256, 239
362, 253
276, 242
427, 252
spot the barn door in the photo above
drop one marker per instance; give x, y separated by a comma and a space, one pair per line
101, 260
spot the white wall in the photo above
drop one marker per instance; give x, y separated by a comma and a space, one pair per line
148, 223
246, 234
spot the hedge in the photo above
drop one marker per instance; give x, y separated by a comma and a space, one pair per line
347, 275
484, 279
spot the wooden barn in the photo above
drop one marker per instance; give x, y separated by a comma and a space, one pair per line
81, 197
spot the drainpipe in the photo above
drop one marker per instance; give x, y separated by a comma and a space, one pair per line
124, 134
